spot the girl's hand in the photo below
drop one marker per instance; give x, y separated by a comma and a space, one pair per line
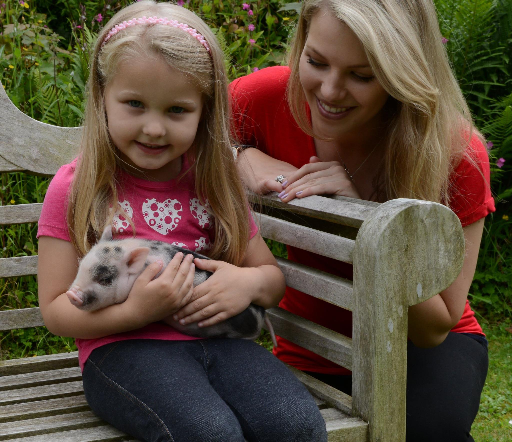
259, 171
318, 178
226, 293
153, 300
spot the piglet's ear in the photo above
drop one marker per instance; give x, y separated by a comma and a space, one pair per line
136, 260
107, 233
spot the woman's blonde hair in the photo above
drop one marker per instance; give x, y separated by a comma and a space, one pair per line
94, 190
430, 125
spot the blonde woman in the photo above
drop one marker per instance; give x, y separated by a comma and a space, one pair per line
368, 108
156, 149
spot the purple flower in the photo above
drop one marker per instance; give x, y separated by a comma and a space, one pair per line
500, 162
255, 69
489, 145
249, 12
245, 6
444, 40
181, 2
251, 27
252, 41
99, 18
78, 27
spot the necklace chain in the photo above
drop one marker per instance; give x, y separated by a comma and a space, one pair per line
351, 175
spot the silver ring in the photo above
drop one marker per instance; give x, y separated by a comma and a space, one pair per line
280, 178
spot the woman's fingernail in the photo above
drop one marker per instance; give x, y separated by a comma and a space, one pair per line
200, 324
175, 317
182, 321
284, 183
299, 192
281, 194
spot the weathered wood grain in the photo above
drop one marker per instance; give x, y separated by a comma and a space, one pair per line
92, 434
49, 407
406, 253
305, 238
38, 363
321, 285
34, 146
21, 266
20, 213
40, 378
20, 318
7, 166
347, 211
43, 392
323, 341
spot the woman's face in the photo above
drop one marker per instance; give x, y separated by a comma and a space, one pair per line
344, 96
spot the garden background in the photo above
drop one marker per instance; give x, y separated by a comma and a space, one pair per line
44, 56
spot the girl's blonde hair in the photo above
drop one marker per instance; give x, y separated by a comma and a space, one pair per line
430, 125
94, 187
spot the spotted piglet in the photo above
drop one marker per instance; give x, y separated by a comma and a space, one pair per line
107, 273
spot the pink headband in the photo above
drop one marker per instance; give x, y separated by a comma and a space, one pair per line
156, 21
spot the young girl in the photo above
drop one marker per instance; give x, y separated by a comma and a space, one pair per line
156, 161
369, 108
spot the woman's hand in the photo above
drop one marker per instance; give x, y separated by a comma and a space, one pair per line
259, 171
152, 300
226, 293
318, 178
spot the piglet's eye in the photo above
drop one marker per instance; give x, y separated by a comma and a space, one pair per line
135, 103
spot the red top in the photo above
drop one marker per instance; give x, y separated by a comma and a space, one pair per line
263, 119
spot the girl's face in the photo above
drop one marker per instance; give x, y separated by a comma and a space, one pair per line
343, 94
153, 112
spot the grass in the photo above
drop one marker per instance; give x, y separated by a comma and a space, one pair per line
494, 420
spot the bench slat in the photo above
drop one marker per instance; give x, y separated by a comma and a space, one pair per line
95, 434
38, 363
49, 424
30, 410
21, 318
40, 378
20, 266
7, 166
352, 429
324, 342
43, 392
305, 238
20, 213
348, 212
321, 285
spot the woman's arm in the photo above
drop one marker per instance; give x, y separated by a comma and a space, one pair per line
231, 289
431, 321
149, 300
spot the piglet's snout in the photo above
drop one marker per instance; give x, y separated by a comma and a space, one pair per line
75, 296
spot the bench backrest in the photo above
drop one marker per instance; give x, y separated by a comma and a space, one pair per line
403, 252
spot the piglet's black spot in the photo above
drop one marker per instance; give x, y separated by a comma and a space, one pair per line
104, 274
153, 247
89, 298
118, 249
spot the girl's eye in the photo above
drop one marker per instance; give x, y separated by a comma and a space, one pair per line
177, 109
363, 78
135, 103
313, 62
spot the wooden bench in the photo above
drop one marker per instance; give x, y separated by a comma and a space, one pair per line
403, 252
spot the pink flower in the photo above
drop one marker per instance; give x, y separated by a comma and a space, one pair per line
250, 12
252, 41
78, 27
255, 69
489, 145
245, 6
181, 2
251, 27
444, 40
500, 162
99, 18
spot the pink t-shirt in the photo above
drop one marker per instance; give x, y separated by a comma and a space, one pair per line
167, 211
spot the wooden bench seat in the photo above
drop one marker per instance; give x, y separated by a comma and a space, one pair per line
403, 252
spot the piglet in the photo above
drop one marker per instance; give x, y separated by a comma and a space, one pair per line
107, 273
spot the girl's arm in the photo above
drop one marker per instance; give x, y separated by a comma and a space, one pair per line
149, 300
431, 321
231, 289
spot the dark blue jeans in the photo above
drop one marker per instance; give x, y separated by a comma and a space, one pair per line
221, 390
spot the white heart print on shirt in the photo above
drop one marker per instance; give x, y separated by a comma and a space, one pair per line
119, 222
201, 213
162, 217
